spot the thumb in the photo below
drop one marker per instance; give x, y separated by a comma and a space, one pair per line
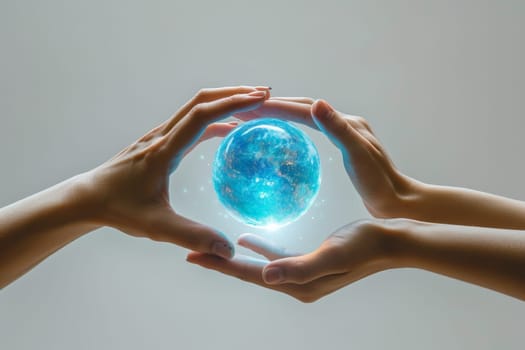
301, 269
332, 123
168, 226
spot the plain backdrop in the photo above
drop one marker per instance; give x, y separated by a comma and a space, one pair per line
441, 82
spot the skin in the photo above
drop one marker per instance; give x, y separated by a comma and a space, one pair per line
472, 236
128, 192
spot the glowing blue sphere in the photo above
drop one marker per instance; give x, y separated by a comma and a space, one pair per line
266, 173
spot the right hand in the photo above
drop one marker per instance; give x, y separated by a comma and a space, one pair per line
384, 190
351, 253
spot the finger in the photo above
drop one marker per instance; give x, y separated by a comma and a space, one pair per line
208, 95
286, 110
304, 100
214, 130
263, 246
238, 258
245, 268
217, 130
184, 135
335, 126
249, 269
167, 226
303, 269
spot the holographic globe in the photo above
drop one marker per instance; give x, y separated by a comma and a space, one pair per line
266, 173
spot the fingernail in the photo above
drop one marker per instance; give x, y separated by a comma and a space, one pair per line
258, 94
263, 87
273, 275
323, 110
224, 250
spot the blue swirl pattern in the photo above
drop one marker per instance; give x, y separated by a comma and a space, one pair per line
267, 173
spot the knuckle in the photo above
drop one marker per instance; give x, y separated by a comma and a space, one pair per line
361, 123
198, 111
354, 123
241, 88
232, 99
229, 99
310, 100
347, 125
202, 94
361, 120
305, 100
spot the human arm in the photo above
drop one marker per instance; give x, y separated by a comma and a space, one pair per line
488, 257
387, 192
129, 192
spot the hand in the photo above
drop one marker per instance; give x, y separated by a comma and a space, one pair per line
384, 190
351, 253
489, 257
130, 191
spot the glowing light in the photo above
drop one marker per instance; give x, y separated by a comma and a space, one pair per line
266, 173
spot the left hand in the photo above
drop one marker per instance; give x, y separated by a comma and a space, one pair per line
349, 254
130, 191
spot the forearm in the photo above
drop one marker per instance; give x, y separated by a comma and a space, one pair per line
488, 257
35, 227
460, 206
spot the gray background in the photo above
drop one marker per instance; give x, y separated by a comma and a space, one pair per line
441, 82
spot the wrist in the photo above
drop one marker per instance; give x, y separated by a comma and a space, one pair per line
412, 200
398, 237
78, 201
408, 195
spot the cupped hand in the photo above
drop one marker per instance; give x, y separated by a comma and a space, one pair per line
349, 254
130, 191
385, 191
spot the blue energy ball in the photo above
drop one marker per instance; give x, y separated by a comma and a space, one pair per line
266, 173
